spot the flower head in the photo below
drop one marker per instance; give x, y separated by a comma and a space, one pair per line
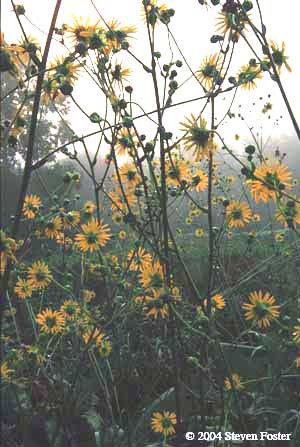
238, 214
270, 179
209, 71
278, 56
51, 321
94, 235
23, 288
247, 76
164, 423
39, 275
262, 309
233, 383
197, 137
31, 206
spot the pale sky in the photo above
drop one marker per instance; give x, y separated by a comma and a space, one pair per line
192, 25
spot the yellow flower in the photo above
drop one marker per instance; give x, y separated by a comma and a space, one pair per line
262, 308
80, 30
274, 176
51, 321
296, 333
31, 206
23, 289
126, 141
289, 214
39, 275
279, 56
93, 236
199, 180
53, 227
230, 20
122, 235
139, 260
164, 423
238, 214
130, 175
118, 201
189, 221
70, 309
119, 73
235, 383
8, 248
217, 301
176, 172
209, 71
117, 34
199, 232
153, 11
152, 275
279, 237
93, 337
88, 295
105, 348
197, 137
5, 372
256, 218
117, 218
247, 76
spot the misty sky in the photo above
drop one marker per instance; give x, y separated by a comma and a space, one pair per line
192, 25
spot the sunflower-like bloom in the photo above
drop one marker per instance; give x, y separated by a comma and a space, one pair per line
82, 30
70, 309
209, 71
177, 171
289, 214
238, 214
247, 76
118, 201
5, 372
273, 177
51, 321
130, 175
39, 275
152, 276
93, 236
105, 348
70, 219
139, 260
199, 232
117, 34
89, 208
164, 423
199, 180
233, 383
153, 11
94, 337
31, 206
279, 56
23, 288
120, 74
88, 295
8, 248
231, 21
53, 227
217, 301
262, 308
296, 334
197, 137
126, 141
